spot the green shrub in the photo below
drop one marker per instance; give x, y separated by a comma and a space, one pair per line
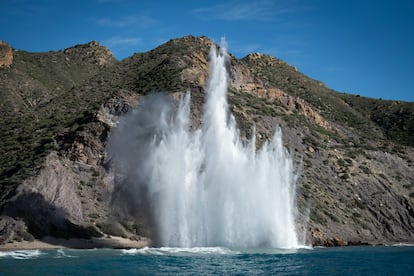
348, 161
331, 216
383, 176
26, 236
365, 169
315, 216
132, 227
111, 229
345, 176
341, 162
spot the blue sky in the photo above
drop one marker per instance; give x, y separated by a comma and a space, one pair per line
362, 47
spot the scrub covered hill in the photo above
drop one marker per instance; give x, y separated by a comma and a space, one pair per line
354, 155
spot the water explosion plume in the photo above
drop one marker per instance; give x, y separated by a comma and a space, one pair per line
205, 187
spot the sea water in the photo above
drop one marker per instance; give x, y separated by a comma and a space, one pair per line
362, 260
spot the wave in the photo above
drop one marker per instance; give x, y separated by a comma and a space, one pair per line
402, 244
60, 253
22, 254
191, 251
180, 251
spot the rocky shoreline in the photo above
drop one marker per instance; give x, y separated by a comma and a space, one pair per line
50, 243
55, 243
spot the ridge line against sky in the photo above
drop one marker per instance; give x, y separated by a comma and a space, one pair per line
362, 47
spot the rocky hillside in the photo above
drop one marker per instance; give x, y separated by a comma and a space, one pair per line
354, 155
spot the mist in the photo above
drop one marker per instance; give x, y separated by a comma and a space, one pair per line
203, 187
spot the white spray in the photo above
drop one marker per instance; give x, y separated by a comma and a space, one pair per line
207, 187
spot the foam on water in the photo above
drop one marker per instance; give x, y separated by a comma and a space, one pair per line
21, 254
403, 244
180, 251
60, 253
194, 251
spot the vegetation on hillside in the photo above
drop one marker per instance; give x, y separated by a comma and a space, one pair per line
396, 118
42, 94
371, 117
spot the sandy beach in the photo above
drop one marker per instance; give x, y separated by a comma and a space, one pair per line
54, 243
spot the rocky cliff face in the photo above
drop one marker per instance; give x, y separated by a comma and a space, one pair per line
355, 181
349, 172
6, 54
70, 195
93, 51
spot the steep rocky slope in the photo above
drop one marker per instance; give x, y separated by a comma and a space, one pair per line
361, 170
6, 54
58, 108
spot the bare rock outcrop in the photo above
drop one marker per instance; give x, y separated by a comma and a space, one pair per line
6, 54
55, 187
196, 69
92, 50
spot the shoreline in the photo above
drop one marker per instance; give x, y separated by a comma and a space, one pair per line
113, 242
55, 243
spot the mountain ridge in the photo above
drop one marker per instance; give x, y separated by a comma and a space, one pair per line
354, 159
